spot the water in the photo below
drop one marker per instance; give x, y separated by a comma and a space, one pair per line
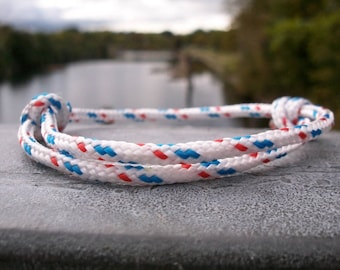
111, 84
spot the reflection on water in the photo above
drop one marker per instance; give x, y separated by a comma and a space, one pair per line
111, 84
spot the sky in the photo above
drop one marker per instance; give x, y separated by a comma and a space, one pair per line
178, 16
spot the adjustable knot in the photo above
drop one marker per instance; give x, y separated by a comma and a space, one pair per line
42, 102
286, 111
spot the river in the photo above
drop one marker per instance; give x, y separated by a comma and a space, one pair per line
111, 84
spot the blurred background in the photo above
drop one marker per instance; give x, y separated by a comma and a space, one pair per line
168, 53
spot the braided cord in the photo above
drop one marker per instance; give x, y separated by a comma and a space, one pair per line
297, 121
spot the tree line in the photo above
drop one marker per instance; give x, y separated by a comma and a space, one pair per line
22, 53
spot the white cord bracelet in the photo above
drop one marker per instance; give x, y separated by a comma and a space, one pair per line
297, 121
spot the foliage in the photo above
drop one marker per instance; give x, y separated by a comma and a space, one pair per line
215, 40
289, 47
22, 52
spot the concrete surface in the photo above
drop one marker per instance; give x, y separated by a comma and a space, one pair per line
285, 215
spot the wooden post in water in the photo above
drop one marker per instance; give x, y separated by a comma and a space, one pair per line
190, 85
183, 68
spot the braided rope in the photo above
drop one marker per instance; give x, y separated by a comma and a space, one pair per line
297, 121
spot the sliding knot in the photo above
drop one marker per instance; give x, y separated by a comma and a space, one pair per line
286, 111
42, 102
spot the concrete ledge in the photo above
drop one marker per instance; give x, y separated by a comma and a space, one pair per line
285, 215
46, 250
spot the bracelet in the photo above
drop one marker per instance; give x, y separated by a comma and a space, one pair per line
296, 122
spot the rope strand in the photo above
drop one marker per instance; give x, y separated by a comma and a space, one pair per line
43, 120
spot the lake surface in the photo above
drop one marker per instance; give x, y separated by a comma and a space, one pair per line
111, 84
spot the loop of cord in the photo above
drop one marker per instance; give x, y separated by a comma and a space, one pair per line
296, 122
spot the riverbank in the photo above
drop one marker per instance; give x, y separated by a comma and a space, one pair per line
227, 67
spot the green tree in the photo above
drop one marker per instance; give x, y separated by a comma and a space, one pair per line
21, 51
289, 47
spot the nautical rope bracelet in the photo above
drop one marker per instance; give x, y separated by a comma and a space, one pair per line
296, 122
